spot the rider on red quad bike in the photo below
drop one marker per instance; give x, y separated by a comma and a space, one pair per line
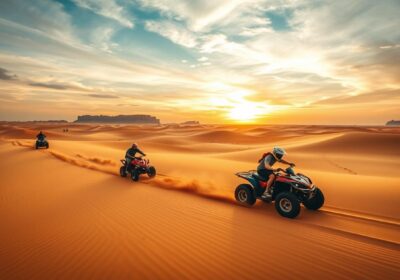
135, 166
266, 171
131, 154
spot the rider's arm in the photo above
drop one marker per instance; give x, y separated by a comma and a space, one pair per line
286, 162
140, 152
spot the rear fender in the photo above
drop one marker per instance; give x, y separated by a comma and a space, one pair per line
255, 184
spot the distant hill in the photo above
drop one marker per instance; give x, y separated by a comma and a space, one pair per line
393, 123
139, 119
191, 123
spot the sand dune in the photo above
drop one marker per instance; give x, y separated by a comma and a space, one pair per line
371, 144
66, 213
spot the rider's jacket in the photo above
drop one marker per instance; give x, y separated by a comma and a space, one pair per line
267, 159
40, 136
131, 152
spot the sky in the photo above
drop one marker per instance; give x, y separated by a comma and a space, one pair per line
215, 61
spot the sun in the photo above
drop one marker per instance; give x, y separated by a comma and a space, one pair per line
244, 112
236, 107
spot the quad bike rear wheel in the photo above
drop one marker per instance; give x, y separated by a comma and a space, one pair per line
151, 172
316, 201
122, 171
287, 205
244, 194
47, 145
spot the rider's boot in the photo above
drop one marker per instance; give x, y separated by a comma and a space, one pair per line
267, 194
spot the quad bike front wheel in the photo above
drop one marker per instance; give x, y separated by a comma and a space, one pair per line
316, 201
287, 205
244, 194
151, 172
122, 171
135, 175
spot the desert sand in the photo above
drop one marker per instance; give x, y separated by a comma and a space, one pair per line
66, 214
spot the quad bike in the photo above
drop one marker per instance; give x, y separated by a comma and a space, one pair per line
288, 191
41, 143
137, 167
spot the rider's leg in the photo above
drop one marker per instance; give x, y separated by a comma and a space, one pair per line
128, 162
271, 179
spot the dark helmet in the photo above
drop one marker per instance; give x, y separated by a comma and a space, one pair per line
134, 146
278, 152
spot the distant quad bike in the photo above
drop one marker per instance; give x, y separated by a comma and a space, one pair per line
41, 143
137, 167
288, 191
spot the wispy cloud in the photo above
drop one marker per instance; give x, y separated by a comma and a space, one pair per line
48, 85
107, 96
109, 9
6, 75
173, 32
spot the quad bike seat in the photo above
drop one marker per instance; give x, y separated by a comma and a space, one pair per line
258, 177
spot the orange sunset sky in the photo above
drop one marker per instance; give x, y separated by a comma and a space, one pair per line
272, 62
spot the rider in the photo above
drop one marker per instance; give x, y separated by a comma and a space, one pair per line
265, 169
41, 136
130, 154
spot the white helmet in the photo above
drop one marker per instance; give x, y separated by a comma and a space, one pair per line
278, 152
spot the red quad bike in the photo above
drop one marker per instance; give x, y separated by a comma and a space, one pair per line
288, 191
137, 167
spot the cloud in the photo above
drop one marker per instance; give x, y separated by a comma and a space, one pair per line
6, 75
173, 32
200, 15
49, 85
45, 16
109, 9
102, 95
383, 96
101, 39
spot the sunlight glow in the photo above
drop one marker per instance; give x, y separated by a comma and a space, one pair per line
233, 103
244, 112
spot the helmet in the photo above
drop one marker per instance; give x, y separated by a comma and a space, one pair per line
134, 146
278, 152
